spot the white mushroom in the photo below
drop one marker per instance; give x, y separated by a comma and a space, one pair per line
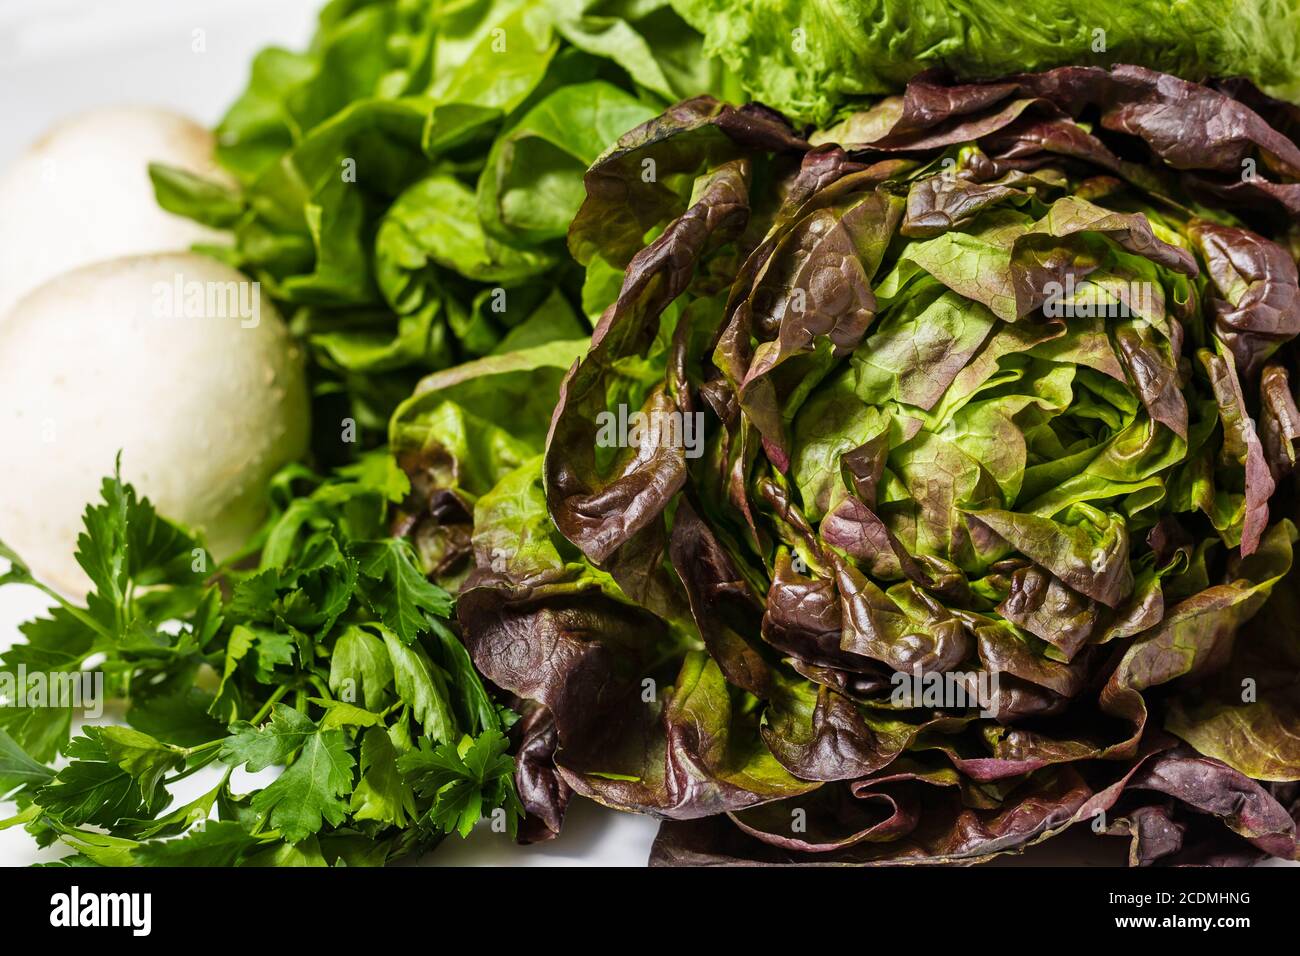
81, 194
175, 360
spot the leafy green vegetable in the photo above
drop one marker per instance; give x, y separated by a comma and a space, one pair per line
403, 187
311, 791
403, 597
290, 664
809, 57
938, 409
463, 780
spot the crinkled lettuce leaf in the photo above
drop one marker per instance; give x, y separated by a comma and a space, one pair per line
809, 58
402, 188
980, 393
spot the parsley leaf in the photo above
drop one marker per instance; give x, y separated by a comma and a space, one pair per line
464, 780
422, 686
217, 843
336, 652
312, 789
113, 773
17, 769
398, 592
360, 662
382, 793
263, 747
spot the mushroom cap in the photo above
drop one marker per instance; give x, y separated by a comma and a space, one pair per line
81, 194
202, 392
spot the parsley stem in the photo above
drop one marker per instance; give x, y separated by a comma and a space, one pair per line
191, 751
270, 702
198, 765
260, 716
320, 686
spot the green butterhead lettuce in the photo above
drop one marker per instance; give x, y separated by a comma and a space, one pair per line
809, 58
404, 185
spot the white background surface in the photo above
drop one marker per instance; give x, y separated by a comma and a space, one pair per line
60, 57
